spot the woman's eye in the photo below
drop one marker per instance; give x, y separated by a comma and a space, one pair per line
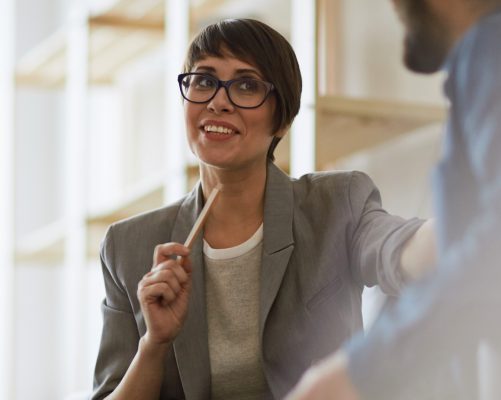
248, 85
203, 82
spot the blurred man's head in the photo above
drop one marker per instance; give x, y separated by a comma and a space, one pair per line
433, 26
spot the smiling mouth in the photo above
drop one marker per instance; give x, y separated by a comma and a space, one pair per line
218, 130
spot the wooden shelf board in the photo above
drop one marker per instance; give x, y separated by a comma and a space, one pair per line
118, 22
148, 10
345, 125
44, 246
380, 108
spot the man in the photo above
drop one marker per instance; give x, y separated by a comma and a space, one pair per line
444, 319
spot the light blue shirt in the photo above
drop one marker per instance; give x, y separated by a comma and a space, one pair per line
441, 321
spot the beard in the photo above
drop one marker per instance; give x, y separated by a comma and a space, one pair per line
426, 43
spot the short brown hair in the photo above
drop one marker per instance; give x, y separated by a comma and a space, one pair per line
259, 44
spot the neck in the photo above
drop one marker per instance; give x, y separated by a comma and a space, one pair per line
239, 209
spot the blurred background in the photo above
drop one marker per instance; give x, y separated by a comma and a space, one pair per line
91, 131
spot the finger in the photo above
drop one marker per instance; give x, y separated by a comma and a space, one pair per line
167, 250
167, 271
173, 265
185, 262
164, 265
159, 292
168, 276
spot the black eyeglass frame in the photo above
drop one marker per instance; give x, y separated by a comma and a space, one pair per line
226, 85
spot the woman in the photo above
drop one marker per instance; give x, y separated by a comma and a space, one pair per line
275, 283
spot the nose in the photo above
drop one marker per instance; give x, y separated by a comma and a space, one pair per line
220, 103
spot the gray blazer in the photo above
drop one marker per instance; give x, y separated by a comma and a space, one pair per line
325, 237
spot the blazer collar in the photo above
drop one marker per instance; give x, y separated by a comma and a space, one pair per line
191, 345
278, 237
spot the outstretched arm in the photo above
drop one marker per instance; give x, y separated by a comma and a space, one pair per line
419, 255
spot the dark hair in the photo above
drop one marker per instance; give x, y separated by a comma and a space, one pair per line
258, 44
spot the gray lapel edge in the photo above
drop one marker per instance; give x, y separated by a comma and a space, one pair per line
191, 347
278, 238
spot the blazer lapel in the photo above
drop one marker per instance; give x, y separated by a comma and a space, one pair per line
278, 239
190, 346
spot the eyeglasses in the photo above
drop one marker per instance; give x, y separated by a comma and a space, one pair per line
242, 92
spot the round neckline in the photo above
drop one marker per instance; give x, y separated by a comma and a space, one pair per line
236, 251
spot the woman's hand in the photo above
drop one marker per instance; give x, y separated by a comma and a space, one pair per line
164, 293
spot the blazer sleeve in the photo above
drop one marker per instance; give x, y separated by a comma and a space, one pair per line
120, 337
378, 237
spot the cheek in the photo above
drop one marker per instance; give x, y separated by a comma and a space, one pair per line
191, 114
266, 119
191, 124
188, 113
262, 125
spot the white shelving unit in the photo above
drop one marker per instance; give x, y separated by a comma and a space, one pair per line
91, 49
88, 54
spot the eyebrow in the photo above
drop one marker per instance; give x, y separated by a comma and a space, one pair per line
239, 71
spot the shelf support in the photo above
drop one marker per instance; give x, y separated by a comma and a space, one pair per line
118, 22
176, 42
304, 27
7, 190
75, 179
330, 44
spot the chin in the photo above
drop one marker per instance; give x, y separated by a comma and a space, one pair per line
215, 162
424, 56
422, 66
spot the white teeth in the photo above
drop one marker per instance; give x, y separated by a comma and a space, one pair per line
218, 129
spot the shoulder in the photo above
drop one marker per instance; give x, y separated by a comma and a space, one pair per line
334, 187
334, 182
474, 85
482, 36
477, 58
142, 228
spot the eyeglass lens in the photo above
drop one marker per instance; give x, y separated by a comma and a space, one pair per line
243, 92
